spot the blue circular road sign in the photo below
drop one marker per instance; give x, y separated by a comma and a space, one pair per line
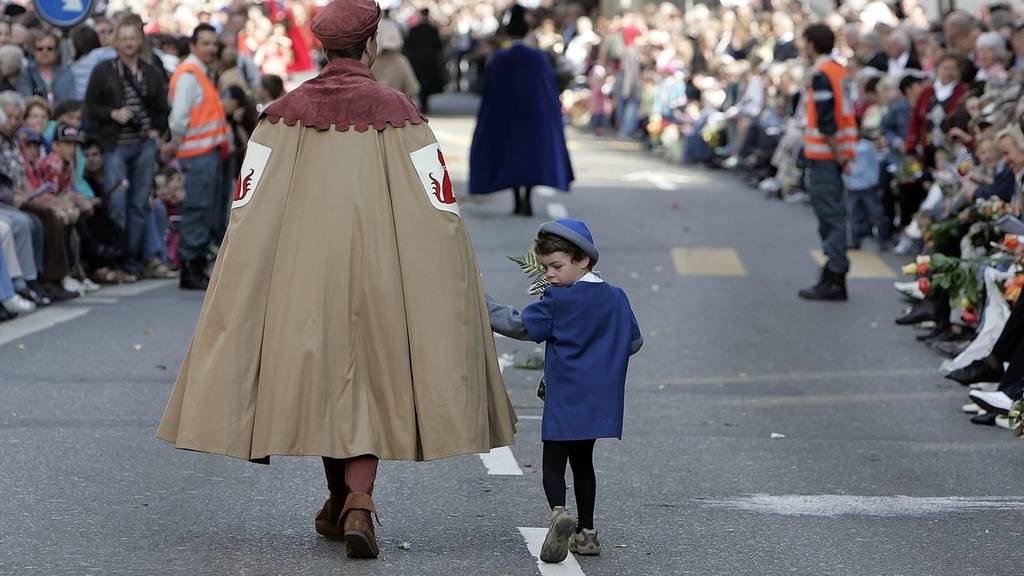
64, 13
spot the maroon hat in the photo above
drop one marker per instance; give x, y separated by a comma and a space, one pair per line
343, 24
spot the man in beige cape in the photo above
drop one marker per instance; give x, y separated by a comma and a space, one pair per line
345, 317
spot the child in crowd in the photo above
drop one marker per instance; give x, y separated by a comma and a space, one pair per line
590, 332
169, 192
862, 193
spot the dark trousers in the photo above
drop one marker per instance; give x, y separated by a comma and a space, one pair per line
55, 246
825, 186
580, 455
350, 475
866, 208
910, 197
1010, 348
888, 197
200, 212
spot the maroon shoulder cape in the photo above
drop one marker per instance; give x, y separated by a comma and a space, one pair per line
344, 95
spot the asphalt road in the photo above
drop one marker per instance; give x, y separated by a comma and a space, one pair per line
877, 474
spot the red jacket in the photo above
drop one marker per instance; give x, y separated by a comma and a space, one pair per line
917, 132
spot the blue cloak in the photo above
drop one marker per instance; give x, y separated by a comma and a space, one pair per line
519, 139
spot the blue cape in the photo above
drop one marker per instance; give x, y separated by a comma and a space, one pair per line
519, 139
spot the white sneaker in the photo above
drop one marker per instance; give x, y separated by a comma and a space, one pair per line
971, 408
909, 289
19, 305
89, 285
797, 198
769, 185
996, 402
72, 285
904, 246
985, 386
1003, 422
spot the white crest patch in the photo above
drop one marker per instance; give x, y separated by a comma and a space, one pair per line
256, 157
437, 183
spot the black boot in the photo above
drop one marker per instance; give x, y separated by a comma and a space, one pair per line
517, 207
193, 275
831, 287
527, 202
921, 312
987, 369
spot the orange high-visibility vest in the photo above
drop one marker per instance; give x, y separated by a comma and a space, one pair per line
815, 143
207, 125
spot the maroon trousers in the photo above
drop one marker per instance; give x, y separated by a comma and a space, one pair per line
350, 475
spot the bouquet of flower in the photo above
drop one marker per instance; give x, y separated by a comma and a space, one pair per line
1016, 421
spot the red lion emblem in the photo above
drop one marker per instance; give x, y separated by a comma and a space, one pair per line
244, 186
443, 190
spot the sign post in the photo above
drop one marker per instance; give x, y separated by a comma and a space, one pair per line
64, 14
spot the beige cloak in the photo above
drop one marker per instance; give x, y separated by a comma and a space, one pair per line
346, 314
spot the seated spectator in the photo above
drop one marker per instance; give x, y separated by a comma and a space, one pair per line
11, 67
991, 53
45, 76
54, 216
101, 241
37, 116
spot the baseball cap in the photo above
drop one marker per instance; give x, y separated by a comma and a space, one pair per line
68, 133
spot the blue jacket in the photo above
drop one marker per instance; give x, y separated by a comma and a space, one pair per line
31, 83
864, 173
519, 138
1003, 186
589, 332
895, 124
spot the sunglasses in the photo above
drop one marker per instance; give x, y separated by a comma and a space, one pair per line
46, 48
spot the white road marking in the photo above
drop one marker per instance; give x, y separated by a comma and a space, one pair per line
830, 505
661, 180
545, 191
557, 211
531, 417
134, 289
534, 540
501, 462
95, 300
504, 361
37, 321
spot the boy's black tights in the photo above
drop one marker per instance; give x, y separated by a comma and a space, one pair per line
580, 455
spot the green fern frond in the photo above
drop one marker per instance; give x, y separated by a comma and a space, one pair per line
531, 266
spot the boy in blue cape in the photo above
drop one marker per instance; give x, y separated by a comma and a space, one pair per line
590, 332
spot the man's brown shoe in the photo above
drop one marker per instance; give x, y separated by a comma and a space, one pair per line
328, 521
358, 526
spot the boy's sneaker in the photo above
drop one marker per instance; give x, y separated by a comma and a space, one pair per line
585, 543
556, 543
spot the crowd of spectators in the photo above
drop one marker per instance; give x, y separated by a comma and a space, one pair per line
940, 157
99, 180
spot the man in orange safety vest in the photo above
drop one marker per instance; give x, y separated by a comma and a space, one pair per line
199, 129
829, 142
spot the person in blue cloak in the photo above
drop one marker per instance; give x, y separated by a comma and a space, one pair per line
519, 140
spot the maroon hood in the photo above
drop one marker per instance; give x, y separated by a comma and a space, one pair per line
344, 94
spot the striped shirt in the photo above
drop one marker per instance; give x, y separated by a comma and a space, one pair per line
137, 130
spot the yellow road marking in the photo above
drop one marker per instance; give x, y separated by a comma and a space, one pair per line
708, 262
862, 264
